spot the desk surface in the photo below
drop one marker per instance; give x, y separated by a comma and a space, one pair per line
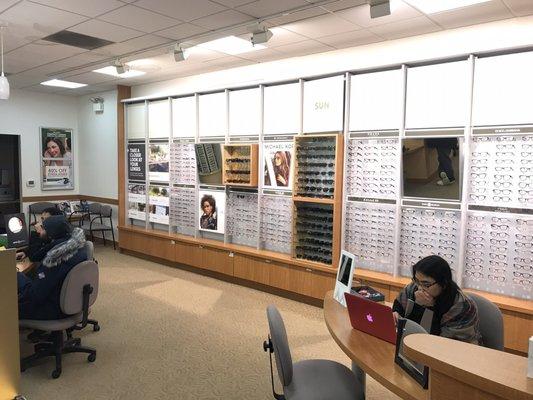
373, 355
492, 371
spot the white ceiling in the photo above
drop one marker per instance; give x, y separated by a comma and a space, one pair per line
149, 28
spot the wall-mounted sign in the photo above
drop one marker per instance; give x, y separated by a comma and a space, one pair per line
136, 162
56, 159
277, 172
324, 105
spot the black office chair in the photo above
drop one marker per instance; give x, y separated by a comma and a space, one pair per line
96, 222
78, 294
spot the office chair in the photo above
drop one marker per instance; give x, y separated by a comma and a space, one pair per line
78, 293
89, 248
100, 213
309, 379
36, 209
490, 322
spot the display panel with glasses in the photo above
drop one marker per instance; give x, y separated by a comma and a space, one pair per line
276, 223
371, 168
182, 163
313, 232
240, 165
208, 163
501, 171
499, 253
182, 210
315, 166
242, 219
369, 234
428, 231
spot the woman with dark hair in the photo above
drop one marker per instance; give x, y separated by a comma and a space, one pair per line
209, 219
54, 148
455, 315
282, 167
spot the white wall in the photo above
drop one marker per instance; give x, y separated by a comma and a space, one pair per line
23, 114
510, 33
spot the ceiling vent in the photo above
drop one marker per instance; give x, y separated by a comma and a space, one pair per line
77, 40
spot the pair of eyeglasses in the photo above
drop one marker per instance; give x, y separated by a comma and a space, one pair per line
424, 284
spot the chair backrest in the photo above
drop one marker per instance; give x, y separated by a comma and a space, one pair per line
89, 248
490, 322
278, 335
38, 208
412, 327
106, 211
71, 300
95, 208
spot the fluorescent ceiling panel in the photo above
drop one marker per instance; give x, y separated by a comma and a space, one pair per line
435, 6
231, 45
110, 70
65, 84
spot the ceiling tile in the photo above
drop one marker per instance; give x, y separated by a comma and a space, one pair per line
520, 7
264, 8
361, 15
30, 21
407, 27
43, 89
91, 78
350, 39
303, 48
343, 4
296, 16
137, 44
139, 18
184, 10
26, 79
321, 26
5, 4
228, 62
198, 54
12, 41
105, 30
55, 67
33, 55
264, 55
472, 15
235, 3
89, 8
181, 31
223, 19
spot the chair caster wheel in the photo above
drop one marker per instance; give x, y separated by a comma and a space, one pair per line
96, 328
91, 358
56, 373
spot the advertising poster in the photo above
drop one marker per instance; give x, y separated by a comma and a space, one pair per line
56, 159
159, 162
278, 160
212, 210
159, 204
136, 162
137, 202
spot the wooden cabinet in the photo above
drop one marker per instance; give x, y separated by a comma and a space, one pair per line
252, 269
188, 254
216, 260
518, 328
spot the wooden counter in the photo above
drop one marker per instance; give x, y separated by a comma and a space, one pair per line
462, 371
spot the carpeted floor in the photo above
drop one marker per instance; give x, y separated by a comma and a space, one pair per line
172, 334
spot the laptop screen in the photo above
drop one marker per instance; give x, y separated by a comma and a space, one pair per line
17, 234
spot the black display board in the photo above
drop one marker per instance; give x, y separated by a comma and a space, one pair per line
136, 161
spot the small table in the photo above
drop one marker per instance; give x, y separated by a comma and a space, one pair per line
372, 355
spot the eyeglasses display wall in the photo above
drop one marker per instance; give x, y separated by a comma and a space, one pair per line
428, 231
501, 171
369, 234
182, 163
315, 167
276, 223
242, 219
371, 168
240, 165
182, 210
313, 232
499, 253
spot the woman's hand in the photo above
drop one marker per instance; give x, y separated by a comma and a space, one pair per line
395, 316
424, 299
281, 180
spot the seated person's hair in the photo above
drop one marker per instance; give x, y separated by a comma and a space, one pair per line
52, 211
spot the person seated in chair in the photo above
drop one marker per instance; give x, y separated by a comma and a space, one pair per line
39, 298
38, 246
455, 315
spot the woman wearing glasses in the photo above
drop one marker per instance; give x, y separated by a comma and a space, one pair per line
455, 315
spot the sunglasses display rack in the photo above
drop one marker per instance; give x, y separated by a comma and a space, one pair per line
242, 219
501, 171
182, 163
183, 210
499, 253
425, 232
276, 223
371, 168
369, 235
240, 165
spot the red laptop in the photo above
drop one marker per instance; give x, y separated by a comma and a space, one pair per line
370, 317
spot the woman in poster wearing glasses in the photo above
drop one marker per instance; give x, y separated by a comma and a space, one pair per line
455, 315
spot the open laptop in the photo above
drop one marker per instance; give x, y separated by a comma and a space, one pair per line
370, 317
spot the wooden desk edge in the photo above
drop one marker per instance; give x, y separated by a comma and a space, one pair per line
382, 380
416, 348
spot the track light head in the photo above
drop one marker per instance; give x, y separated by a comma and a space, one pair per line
379, 8
261, 36
180, 54
120, 67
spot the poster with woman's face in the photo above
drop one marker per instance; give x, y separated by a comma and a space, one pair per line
277, 157
159, 162
56, 159
212, 210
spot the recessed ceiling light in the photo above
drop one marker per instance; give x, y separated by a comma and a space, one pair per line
65, 84
435, 6
231, 45
111, 70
